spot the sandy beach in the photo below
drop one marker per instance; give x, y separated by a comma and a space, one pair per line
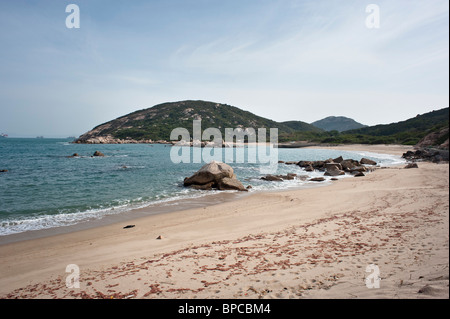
310, 243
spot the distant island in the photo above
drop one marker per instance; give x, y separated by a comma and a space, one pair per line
154, 125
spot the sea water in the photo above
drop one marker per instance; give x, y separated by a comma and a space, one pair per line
46, 188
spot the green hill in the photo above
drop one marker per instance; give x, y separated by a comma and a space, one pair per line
301, 126
408, 132
157, 122
337, 123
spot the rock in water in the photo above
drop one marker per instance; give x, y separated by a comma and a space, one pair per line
317, 179
333, 169
333, 166
367, 161
347, 164
338, 159
272, 178
97, 153
334, 173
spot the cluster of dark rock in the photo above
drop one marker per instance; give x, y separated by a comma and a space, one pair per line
334, 167
220, 176
96, 154
427, 154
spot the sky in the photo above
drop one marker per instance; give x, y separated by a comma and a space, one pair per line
280, 59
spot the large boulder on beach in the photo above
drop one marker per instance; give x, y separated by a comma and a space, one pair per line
214, 175
212, 172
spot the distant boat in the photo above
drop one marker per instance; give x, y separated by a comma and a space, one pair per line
3, 135
39, 137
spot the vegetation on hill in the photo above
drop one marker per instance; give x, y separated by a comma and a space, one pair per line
156, 123
408, 132
299, 126
337, 123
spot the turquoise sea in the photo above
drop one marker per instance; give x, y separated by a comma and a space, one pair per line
45, 188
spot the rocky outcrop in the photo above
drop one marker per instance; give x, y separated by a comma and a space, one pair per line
198, 143
91, 138
427, 154
412, 165
437, 139
216, 175
336, 167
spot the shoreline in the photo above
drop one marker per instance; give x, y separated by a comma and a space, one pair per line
222, 229
151, 209
179, 204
